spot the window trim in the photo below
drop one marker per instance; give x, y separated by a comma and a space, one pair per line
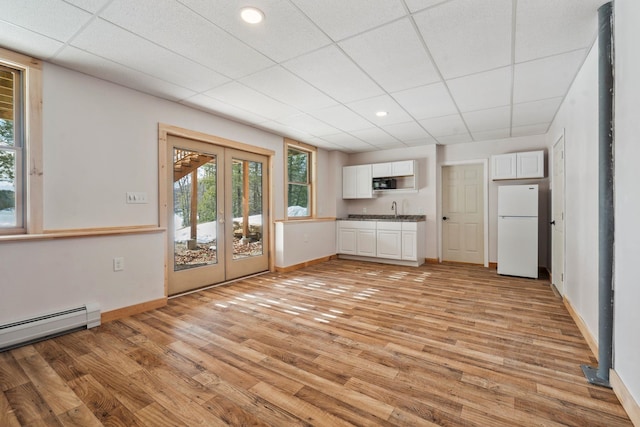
313, 154
32, 171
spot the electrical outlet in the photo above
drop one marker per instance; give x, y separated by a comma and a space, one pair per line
364, 210
118, 263
135, 197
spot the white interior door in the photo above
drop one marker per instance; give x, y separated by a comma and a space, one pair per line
557, 220
463, 213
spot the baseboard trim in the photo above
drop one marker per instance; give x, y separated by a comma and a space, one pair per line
119, 313
624, 396
591, 342
305, 264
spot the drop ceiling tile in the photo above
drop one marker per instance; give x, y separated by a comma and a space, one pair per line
331, 71
243, 97
540, 33
487, 135
92, 6
444, 126
321, 143
54, 18
28, 42
426, 101
286, 131
349, 142
546, 78
341, 19
393, 55
342, 118
110, 42
454, 139
286, 87
538, 129
368, 108
284, 34
406, 131
493, 118
417, 5
375, 136
206, 103
483, 90
85, 62
536, 112
308, 124
179, 29
468, 36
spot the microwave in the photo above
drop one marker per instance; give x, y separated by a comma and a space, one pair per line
384, 183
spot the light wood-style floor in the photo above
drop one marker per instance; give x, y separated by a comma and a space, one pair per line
339, 343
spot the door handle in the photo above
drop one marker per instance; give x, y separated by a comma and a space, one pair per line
444, 218
553, 222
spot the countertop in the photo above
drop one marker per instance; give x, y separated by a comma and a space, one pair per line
399, 218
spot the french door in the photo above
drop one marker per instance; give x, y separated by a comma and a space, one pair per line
217, 214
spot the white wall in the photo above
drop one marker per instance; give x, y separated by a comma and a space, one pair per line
300, 241
627, 195
100, 141
578, 118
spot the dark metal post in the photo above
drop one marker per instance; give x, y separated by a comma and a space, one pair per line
605, 194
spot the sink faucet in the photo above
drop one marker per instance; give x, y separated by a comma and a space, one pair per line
394, 208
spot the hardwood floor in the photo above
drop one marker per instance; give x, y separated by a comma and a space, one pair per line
338, 343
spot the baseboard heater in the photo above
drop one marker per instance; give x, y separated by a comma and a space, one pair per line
27, 331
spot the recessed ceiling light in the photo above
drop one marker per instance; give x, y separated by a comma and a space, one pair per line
251, 15
381, 113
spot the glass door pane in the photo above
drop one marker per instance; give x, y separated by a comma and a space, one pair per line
246, 182
195, 209
247, 224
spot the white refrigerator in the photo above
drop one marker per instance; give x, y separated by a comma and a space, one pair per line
518, 230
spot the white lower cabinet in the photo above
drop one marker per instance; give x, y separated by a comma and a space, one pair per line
383, 240
389, 240
357, 238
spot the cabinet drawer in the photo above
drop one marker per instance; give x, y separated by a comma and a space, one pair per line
391, 225
358, 225
409, 226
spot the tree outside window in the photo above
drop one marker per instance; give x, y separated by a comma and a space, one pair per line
8, 149
299, 180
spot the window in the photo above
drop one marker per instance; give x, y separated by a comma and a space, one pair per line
20, 144
300, 173
11, 149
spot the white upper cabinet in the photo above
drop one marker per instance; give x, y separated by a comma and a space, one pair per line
528, 164
391, 169
356, 182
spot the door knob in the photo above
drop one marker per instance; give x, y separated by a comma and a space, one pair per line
553, 222
444, 218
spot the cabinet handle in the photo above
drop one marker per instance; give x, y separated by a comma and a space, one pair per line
553, 222
444, 218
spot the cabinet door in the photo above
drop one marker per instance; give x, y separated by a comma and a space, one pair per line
409, 246
366, 243
389, 244
402, 168
381, 170
530, 164
347, 241
504, 166
349, 182
364, 188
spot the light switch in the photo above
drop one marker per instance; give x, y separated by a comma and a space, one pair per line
136, 197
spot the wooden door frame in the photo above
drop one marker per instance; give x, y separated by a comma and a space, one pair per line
164, 130
485, 190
